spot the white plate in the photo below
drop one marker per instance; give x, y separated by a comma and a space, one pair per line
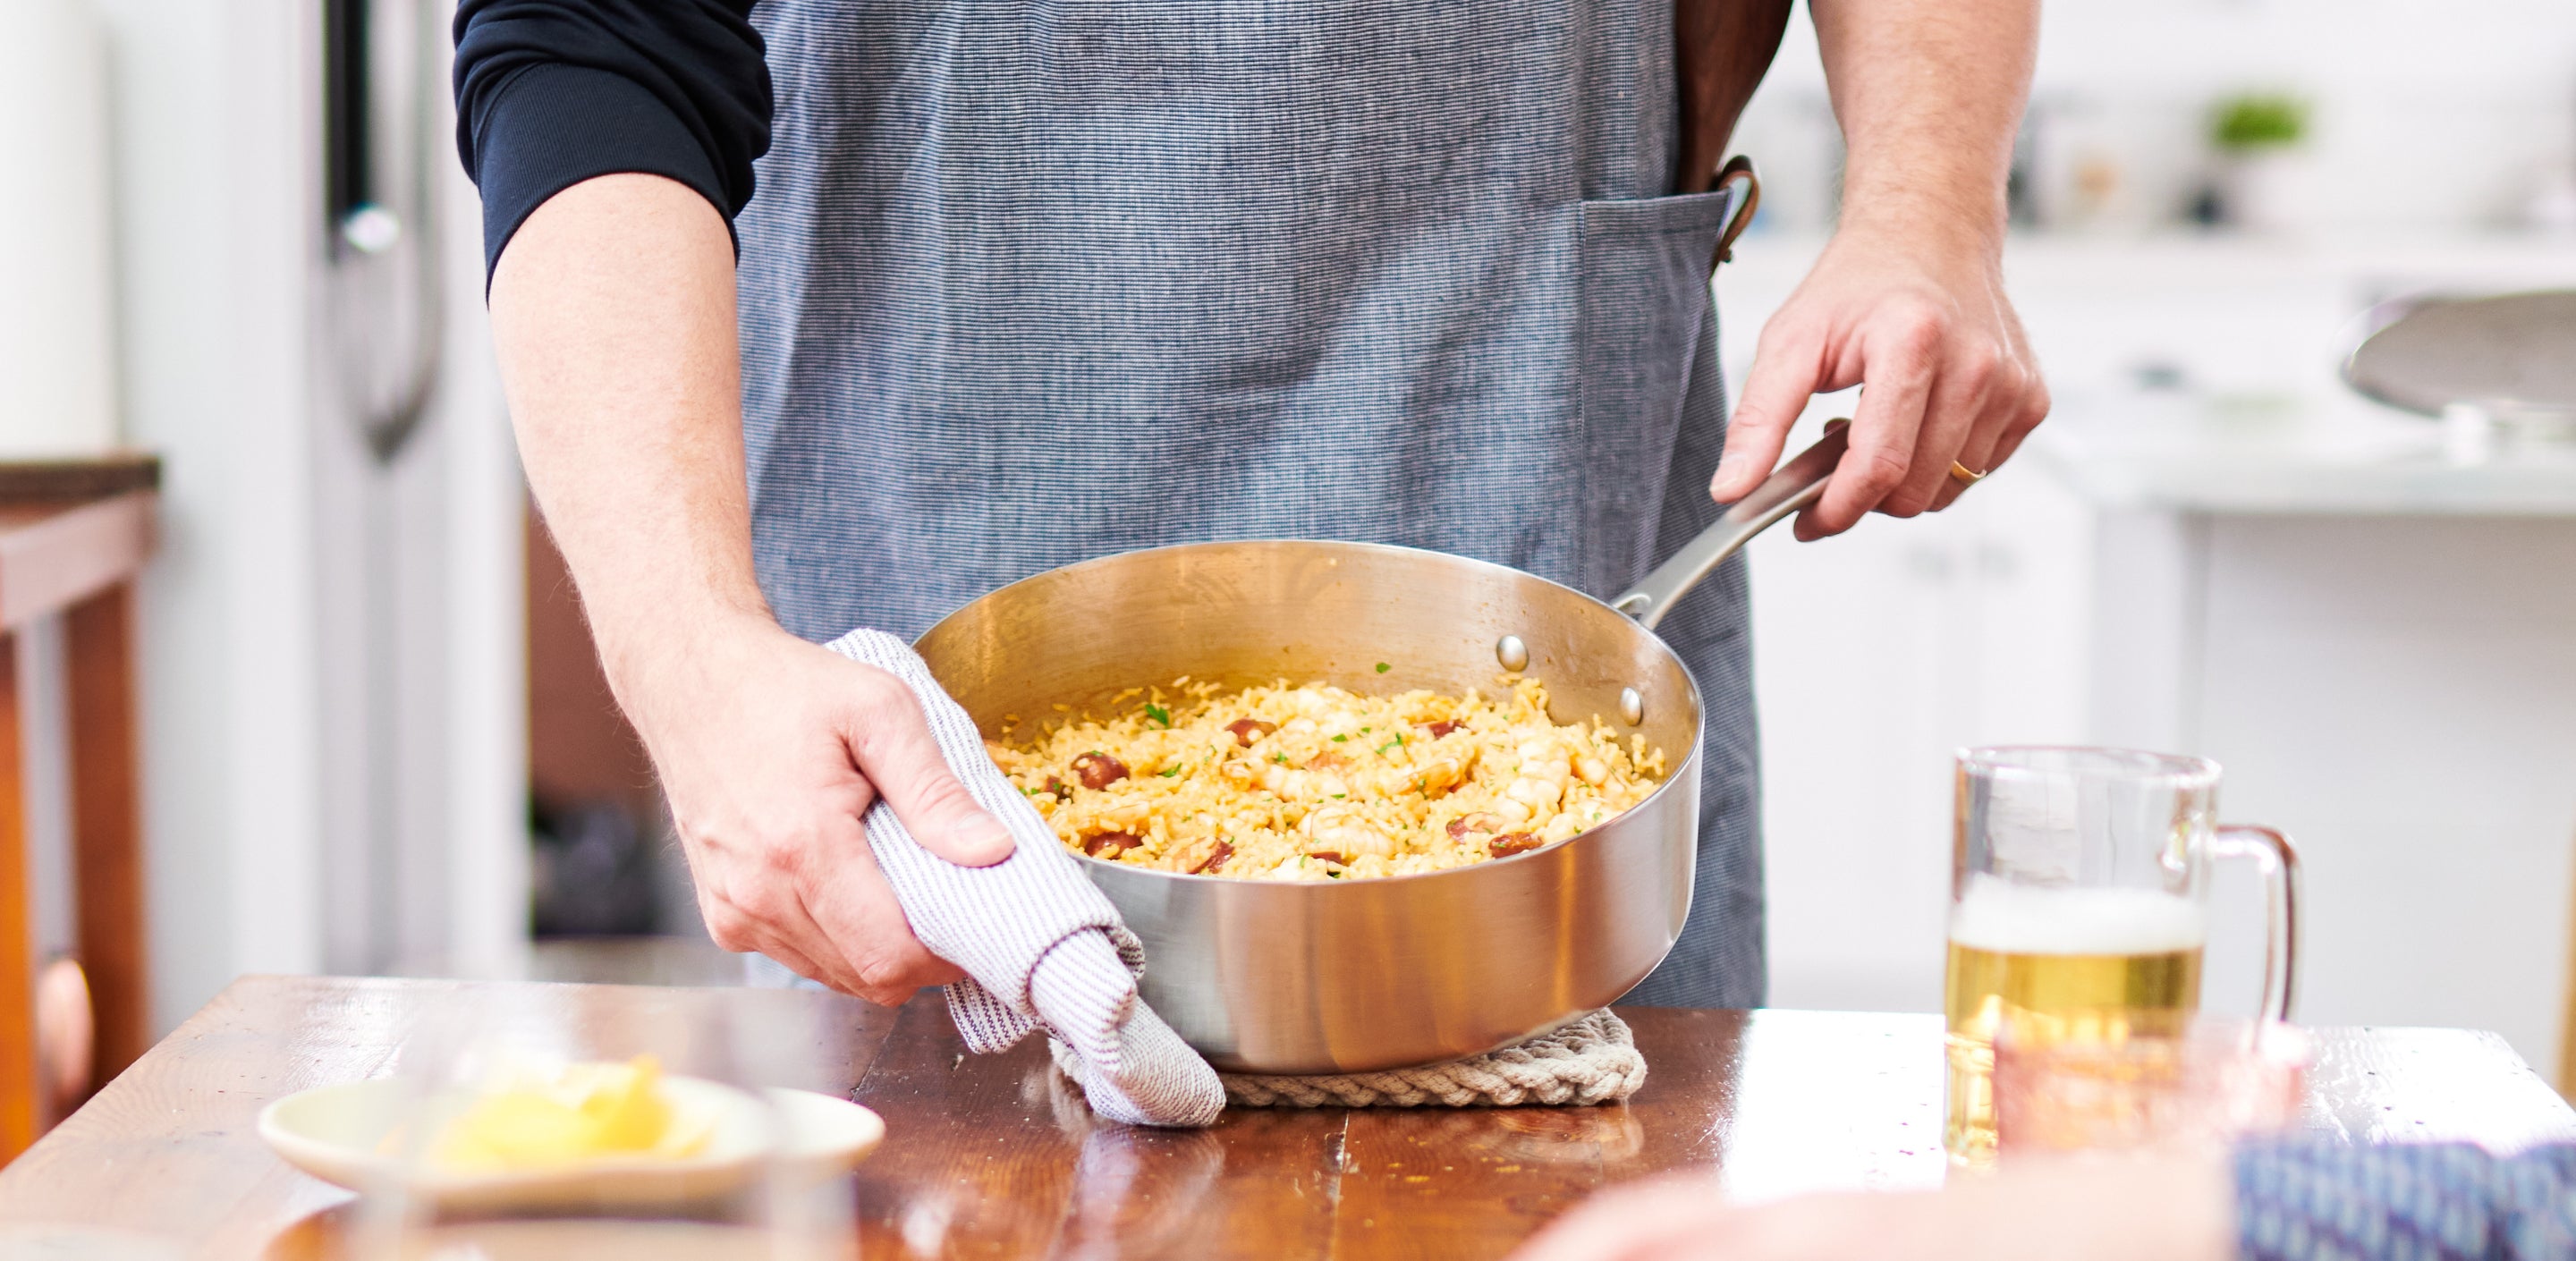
336, 1133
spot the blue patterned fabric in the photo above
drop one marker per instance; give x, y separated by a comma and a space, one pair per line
1027, 283
2316, 1200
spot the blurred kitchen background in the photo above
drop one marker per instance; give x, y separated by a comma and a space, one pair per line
374, 738
2214, 546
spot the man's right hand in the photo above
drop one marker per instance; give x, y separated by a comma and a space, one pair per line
612, 311
770, 749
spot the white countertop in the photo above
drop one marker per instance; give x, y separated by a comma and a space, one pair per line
2247, 331
2281, 456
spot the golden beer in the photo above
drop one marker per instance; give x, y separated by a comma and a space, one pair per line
2056, 965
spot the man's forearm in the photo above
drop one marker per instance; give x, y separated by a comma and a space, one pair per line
613, 308
613, 315
1929, 94
1908, 298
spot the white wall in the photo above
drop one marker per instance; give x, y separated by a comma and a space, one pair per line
2427, 115
57, 333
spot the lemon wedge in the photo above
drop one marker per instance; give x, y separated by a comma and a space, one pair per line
576, 1115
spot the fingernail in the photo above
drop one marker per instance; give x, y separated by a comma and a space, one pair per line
981, 847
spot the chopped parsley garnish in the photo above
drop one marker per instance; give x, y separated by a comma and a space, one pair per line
1280, 758
1383, 667
1169, 771
1340, 796
1396, 743
1339, 739
1159, 714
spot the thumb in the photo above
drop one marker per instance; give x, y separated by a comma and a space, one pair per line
1785, 374
894, 749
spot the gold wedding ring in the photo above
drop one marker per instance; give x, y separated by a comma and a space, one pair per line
1964, 475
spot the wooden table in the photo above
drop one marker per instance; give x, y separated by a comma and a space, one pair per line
987, 1156
73, 537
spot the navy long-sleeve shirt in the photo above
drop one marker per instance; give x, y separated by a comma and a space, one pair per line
553, 92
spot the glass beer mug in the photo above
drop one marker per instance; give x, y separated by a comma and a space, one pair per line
2079, 884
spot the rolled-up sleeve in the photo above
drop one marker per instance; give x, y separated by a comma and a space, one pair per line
553, 92
2310, 1200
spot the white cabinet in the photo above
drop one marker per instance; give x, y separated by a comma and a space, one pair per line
2400, 694
1876, 653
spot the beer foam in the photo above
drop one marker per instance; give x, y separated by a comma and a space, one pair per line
2010, 918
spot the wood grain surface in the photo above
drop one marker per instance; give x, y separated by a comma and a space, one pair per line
77, 557
107, 825
55, 554
19, 1094
995, 1157
95, 477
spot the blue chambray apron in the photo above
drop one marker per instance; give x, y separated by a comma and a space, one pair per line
1033, 281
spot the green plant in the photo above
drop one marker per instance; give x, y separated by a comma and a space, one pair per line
2258, 121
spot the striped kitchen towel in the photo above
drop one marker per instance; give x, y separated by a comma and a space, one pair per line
1041, 947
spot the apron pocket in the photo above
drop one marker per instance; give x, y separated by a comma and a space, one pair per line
1646, 311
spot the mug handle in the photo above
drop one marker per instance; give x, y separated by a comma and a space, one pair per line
2279, 860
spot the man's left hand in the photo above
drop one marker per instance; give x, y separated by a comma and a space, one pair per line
1925, 327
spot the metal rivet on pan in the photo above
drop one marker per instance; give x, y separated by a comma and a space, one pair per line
1632, 706
1512, 653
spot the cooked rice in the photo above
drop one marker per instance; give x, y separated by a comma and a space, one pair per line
1331, 784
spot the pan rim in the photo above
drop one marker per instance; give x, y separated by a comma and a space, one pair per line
1689, 768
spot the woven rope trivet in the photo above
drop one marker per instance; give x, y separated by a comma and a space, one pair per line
1592, 1060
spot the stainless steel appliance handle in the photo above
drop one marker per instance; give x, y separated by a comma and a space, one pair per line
1792, 486
387, 293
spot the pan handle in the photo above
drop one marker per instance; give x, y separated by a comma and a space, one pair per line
1793, 486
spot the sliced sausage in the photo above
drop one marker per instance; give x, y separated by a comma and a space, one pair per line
1099, 770
1331, 856
1215, 859
1111, 844
1444, 727
1248, 730
1464, 824
1510, 843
